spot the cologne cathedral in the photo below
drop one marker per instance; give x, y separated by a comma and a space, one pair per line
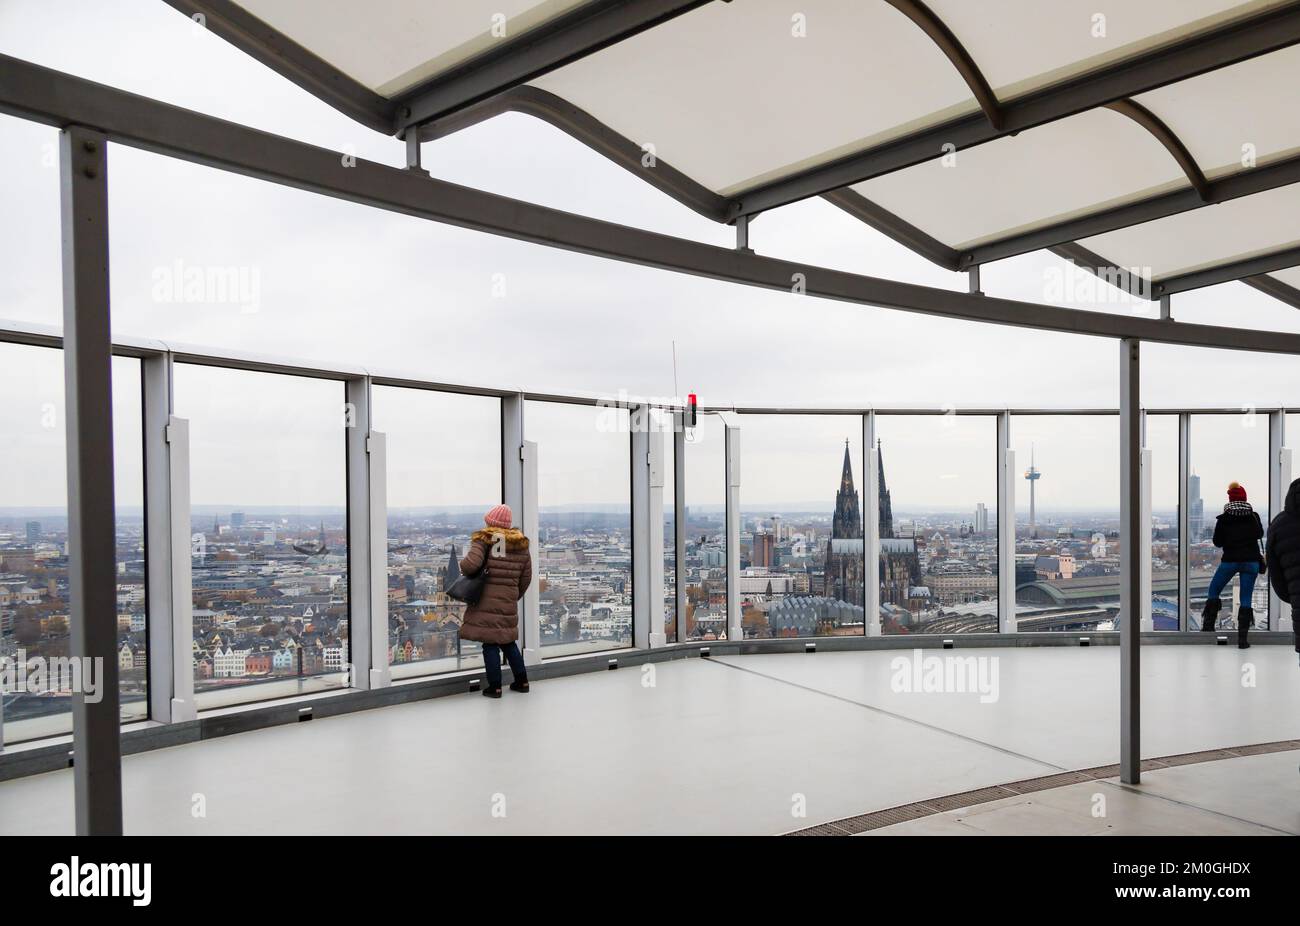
900, 567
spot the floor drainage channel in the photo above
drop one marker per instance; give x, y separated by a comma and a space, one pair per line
864, 823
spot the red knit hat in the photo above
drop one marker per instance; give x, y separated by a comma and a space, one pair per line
1236, 492
502, 516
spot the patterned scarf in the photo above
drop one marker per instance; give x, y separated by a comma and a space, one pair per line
1238, 508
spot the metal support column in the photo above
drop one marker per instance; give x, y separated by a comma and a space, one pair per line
380, 671
655, 538
529, 521
1131, 527
516, 494
679, 524
973, 281
369, 663
871, 527
647, 529
742, 234
1279, 481
1144, 538
734, 630
1184, 521
1006, 527
168, 550
92, 553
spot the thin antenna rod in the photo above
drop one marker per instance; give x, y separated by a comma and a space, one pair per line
676, 393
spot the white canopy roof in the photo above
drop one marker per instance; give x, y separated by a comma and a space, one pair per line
971, 131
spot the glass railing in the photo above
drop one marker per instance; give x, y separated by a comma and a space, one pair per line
269, 563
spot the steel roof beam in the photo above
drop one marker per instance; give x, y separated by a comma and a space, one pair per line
573, 35
1275, 288
896, 227
955, 52
1247, 182
1172, 143
1227, 273
597, 136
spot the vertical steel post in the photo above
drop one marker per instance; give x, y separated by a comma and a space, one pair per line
1279, 480
92, 553
167, 546
1006, 527
655, 524
1130, 639
369, 666
529, 521
732, 452
871, 527
679, 523
1184, 521
642, 601
516, 461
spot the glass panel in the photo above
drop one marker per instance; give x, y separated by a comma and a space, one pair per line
34, 543
1225, 449
444, 473
801, 536
706, 529
584, 489
1162, 441
268, 497
938, 523
1067, 522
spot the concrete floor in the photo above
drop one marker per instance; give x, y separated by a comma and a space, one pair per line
740, 744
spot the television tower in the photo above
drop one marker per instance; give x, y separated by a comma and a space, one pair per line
1033, 475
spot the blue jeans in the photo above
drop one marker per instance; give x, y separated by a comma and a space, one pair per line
492, 662
1223, 575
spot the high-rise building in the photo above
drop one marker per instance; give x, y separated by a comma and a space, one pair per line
237, 520
764, 548
33, 531
981, 518
1196, 507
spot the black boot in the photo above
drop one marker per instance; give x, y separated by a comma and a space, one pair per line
491, 692
520, 685
1210, 614
1245, 620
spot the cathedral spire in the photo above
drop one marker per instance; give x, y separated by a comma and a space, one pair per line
886, 513
846, 522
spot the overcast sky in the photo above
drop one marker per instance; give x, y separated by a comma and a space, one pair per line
341, 283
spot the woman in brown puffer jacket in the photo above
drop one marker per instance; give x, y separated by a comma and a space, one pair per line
494, 619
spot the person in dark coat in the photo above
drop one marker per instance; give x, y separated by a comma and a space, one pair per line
1284, 552
493, 620
1237, 532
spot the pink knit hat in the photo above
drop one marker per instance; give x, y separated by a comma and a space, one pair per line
500, 516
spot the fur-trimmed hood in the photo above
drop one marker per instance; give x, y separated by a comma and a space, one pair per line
515, 539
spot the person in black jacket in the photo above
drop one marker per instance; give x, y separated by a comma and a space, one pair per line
1284, 552
1238, 532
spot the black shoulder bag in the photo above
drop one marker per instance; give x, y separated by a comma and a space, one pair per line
469, 588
